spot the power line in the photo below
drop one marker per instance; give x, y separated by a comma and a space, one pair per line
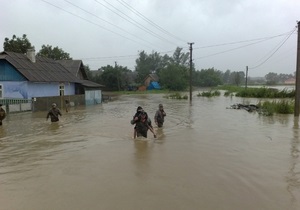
274, 51
107, 22
132, 21
120, 56
148, 20
225, 51
93, 23
238, 42
259, 40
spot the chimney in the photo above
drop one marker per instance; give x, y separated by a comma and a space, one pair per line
31, 54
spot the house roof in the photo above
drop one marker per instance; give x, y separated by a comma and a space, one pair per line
90, 84
43, 70
154, 77
73, 66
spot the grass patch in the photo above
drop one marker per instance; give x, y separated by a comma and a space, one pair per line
209, 93
262, 92
176, 96
268, 108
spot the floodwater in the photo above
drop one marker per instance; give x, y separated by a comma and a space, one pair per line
205, 157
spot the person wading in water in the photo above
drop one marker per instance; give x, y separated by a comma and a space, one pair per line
53, 113
135, 117
142, 125
2, 114
159, 117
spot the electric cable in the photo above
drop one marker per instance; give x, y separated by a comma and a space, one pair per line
134, 22
95, 23
284, 41
107, 22
125, 4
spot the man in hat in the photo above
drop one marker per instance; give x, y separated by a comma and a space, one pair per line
2, 114
159, 117
53, 113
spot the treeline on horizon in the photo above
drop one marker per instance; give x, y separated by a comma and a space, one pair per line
173, 71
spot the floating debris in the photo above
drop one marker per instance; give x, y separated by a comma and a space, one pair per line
249, 107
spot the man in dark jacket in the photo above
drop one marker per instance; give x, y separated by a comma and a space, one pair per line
142, 124
53, 113
159, 117
2, 114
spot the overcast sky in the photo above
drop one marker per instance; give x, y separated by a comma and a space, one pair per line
227, 34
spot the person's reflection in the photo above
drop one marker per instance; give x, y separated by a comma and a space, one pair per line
293, 176
160, 136
2, 132
53, 127
142, 157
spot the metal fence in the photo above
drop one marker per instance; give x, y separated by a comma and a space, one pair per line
16, 105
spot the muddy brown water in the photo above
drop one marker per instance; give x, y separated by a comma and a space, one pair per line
205, 157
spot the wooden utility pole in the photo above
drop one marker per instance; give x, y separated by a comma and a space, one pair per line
191, 67
297, 93
246, 77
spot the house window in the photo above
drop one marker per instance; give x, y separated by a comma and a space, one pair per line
62, 90
1, 91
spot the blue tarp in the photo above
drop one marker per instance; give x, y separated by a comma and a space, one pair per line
153, 86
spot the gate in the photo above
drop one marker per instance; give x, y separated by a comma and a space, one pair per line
93, 97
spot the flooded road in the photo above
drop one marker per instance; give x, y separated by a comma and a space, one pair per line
205, 157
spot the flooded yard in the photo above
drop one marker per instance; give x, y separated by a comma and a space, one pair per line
205, 157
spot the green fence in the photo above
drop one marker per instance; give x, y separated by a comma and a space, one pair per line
16, 104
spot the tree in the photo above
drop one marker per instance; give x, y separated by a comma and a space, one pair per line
88, 71
174, 77
53, 53
143, 66
272, 78
180, 58
155, 63
237, 78
17, 44
207, 78
115, 78
226, 77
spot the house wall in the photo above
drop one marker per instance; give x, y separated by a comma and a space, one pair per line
28, 90
14, 89
49, 89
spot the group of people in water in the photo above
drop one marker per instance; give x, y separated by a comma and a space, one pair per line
141, 119
143, 123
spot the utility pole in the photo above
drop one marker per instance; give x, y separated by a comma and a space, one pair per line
297, 93
191, 67
246, 77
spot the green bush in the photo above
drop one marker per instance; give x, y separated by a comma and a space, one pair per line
281, 107
209, 93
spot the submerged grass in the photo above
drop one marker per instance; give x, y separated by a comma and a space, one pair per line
209, 93
281, 107
176, 96
262, 92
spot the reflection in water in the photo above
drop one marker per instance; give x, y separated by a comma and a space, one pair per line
293, 178
203, 153
160, 135
142, 157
